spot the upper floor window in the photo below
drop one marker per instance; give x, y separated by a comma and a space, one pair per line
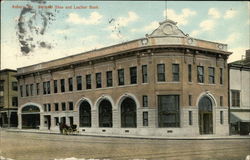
63, 106
189, 73
27, 90
221, 76
98, 80
200, 74
55, 86
56, 107
62, 85
221, 100
1, 101
176, 70
14, 86
235, 98
145, 118
37, 88
190, 100
160, 72
133, 75
1, 85
120, 76
211, 75
79, 82
88, 81
144, 74
71, 106
46, 87
70, 82
14, 101
109, 79
21, 91
31, 89
145, 101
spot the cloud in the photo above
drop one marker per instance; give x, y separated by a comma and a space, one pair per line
230, 14
124, 21
63, 31
195, 33
181, 18
148, 28
94, 18
207, 25
89, 38
232, 38
116, 36
214, 13
238, 53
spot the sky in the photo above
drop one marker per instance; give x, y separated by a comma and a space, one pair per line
34, 32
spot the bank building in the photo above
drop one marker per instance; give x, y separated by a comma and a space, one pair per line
165, 84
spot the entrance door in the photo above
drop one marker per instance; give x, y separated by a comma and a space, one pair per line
47, 120
205, 116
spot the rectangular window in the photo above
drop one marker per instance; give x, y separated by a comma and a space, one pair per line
190, 100
14, 101
189, 73
160, 72
190, 117
145, 101
109, 79
56, 106
120, 77
221, 100
63, 106
221, 117
1, 101
98, 80
221, 76
45, 107
21, 91
62, 85
200, 74
235, 98
56, 121
168, 111
144, 74
79, 82
48, 87
1, 85
211, 75
49, 107
176, 72
37, 88
133, 75
27, 90
71, 106
88, 81
70, 82
44, 88
14, 86
31, 89
55, 86
145, 118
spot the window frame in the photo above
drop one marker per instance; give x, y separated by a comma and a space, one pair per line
175, 74
121, 77
78, 83
145, 118
109, 79
199, 75
88, 81
161, 77
98, 79
70, 84
144, 73
211, 75
189, 72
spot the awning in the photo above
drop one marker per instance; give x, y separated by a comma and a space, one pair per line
240, 117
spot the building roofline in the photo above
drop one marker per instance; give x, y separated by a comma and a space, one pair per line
7, 70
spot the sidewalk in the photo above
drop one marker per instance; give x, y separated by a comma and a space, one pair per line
201, 137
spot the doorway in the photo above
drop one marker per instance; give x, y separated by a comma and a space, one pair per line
205, 116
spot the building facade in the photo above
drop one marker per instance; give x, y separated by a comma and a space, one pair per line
240, 95
166, 84
8, 98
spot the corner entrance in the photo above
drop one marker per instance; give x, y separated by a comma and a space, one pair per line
205, 116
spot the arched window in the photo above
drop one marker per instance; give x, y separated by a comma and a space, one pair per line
205, 104
30, 117
30, 108
85, 114
128, 113
105, 114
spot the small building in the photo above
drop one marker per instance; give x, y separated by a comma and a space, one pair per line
165, 84
8, 98
240, 95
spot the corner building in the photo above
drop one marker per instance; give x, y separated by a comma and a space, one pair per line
166, 84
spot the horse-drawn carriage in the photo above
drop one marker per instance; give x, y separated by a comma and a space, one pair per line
65, 129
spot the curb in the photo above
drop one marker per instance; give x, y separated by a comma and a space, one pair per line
139, 137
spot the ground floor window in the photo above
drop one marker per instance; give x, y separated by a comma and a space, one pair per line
168, 111
105, 114
85, 114
128, 113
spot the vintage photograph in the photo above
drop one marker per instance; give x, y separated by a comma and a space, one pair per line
131, 80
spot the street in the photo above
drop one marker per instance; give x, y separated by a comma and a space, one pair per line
33, 146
